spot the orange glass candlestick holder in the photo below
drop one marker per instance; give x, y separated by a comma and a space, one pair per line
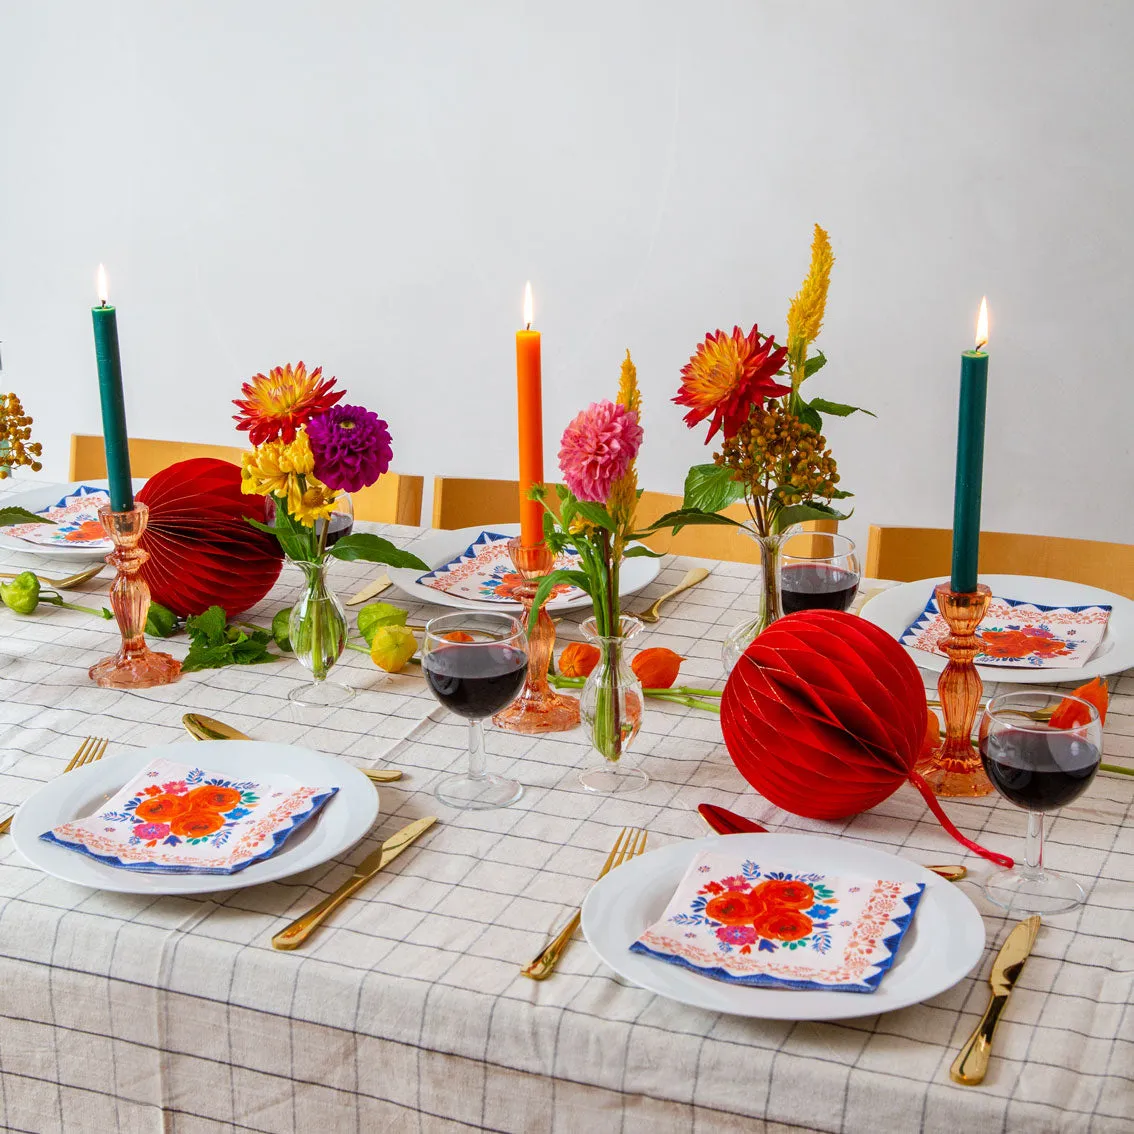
954, 768
135, 666
538, 708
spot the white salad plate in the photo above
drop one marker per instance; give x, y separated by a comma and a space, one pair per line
944, 943
341, 823
36, 500
897, 608
438, 548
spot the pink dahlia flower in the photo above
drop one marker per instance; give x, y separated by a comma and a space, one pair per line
597, 448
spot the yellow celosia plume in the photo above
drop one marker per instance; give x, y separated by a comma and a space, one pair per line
805, 313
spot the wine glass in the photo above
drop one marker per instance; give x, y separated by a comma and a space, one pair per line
1040, 750
819, 571
475, 665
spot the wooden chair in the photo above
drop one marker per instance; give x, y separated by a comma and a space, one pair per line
395, 499
463, 503
907, 554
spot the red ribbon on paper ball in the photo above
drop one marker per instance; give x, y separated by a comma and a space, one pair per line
202, 550
825, 715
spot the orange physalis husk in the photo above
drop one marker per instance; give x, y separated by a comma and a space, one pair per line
656, 668
578, 659
1068, 714
458, 636
932, 733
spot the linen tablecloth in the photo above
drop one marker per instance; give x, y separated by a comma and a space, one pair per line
407, 1012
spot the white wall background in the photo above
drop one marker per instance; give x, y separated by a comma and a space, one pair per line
367, 185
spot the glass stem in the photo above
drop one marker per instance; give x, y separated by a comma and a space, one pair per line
476, 750
1033, 850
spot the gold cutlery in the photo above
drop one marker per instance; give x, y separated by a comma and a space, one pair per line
92, 749
200, 727
302, 928
971, 1064
630, 843
69, 581
371, 590
693, 576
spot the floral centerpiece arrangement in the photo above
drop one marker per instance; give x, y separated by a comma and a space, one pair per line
309, 453
772, 453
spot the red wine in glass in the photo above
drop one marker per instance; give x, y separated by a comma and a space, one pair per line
807, 586
476, 680
1039, 771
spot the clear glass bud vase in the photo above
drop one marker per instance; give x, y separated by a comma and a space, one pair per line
610, 704
318, 632
769, 601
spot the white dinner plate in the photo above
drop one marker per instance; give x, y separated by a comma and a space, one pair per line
895, 609
35, 500
438, 548
343, 820
944, 943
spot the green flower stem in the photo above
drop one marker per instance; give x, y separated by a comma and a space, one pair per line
55, 600
1116, 768
678, 694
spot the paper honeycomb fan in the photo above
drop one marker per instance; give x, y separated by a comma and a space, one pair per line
202, 550
825, 715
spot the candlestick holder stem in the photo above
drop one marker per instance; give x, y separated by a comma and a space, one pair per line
135, 666
954, 768
538, 708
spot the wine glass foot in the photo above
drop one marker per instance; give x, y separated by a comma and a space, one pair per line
320, 695
1049, 893
478, 793
612, 778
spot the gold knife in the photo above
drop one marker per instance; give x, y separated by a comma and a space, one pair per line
201, 727
971, 1064
303, 927
371, 590
693, 576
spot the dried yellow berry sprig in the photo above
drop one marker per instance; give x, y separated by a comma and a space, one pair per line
17, 449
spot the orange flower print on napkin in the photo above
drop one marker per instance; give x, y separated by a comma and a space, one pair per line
85, 532
212, 797
785, 892
1021, 643
161, 808
197, 824
783, 925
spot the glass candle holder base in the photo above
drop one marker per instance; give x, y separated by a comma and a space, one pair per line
539, 710
1045, 893
130, 669
478, 793
613, 778
320, 695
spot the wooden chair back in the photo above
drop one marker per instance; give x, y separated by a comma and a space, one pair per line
395, 499
460, 502
907, 554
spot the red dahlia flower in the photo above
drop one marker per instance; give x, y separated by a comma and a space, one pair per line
276, 404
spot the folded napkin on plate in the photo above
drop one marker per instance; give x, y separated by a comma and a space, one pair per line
765, 925
180, 819
76, 522
1020, 634
484, 571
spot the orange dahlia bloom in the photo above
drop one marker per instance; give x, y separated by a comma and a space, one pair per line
727, 375
276, 404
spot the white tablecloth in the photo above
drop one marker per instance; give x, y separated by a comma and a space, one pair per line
408, 1012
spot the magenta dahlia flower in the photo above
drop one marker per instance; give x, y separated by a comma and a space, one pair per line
597, 448
351, 446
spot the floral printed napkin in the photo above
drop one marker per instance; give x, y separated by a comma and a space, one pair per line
484, 571
765, 925
180, 819
76, 522
1023, 635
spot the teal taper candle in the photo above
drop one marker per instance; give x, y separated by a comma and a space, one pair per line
970, 461
113, 406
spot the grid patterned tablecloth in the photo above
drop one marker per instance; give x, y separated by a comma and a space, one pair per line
408, 1013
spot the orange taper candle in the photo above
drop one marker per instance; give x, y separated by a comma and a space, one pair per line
529, 400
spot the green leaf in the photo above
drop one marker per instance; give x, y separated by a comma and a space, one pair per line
207, 628
14, 515
292, 547
374, 549
797, 513
213, 644
549, 582
685, 517
639, 550
837, 409
808, 415
161, 622
815, 363
709, 488
595, 514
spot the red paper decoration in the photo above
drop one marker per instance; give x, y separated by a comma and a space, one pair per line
202, 551
825, 715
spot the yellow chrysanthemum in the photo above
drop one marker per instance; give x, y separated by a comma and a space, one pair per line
316, 502
284, 470
805, 313
624, 492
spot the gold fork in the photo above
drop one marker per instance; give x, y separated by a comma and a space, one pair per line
630, 843
92, 749
69, 581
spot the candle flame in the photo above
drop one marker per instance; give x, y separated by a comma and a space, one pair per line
982, 324
528, 304
102, 286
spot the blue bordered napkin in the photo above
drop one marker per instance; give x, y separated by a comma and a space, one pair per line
75, 520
